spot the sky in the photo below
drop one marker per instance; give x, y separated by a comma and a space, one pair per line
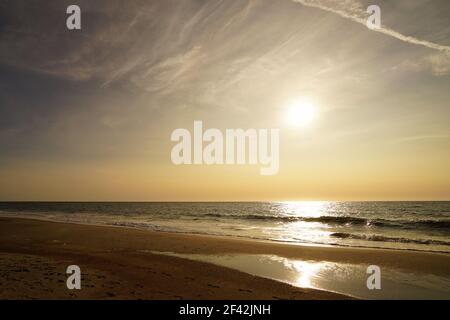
87, 115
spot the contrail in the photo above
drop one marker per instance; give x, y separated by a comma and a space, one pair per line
360, 17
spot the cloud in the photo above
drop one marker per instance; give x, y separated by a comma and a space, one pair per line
170, 73
419, 138
194, 47
354, 10
440, 64
437, 63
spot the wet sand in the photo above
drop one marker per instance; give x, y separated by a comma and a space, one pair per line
115, 264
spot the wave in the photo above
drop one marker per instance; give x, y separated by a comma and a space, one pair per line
335, 219
343, 235
440, 225
341, 220
372, 239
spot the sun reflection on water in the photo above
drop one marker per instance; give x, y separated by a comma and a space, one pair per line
308, 209
306, 231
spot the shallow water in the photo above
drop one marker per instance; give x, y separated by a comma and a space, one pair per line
347, 279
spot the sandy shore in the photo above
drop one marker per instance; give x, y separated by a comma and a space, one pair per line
34, 256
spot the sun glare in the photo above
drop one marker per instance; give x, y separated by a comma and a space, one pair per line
301, 112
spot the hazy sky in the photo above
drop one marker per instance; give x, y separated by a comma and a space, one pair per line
87, 115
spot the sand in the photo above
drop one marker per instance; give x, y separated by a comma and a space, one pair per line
116, 264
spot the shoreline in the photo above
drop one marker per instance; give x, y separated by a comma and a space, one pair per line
112, 252
224, 236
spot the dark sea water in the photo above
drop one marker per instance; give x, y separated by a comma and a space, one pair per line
421, 226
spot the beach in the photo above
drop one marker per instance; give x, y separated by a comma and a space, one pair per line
225, 150
120, 263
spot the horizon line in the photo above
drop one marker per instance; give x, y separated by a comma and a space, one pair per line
210, 201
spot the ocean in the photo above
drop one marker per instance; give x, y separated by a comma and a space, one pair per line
422, 226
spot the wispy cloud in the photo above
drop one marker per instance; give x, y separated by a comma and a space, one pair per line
440, 64
423, 137
354, 10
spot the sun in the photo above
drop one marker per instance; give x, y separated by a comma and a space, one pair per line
301, 112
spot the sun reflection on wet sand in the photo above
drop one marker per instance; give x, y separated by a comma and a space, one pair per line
342, 278
307, 271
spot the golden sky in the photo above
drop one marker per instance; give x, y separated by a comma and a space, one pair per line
87, 115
